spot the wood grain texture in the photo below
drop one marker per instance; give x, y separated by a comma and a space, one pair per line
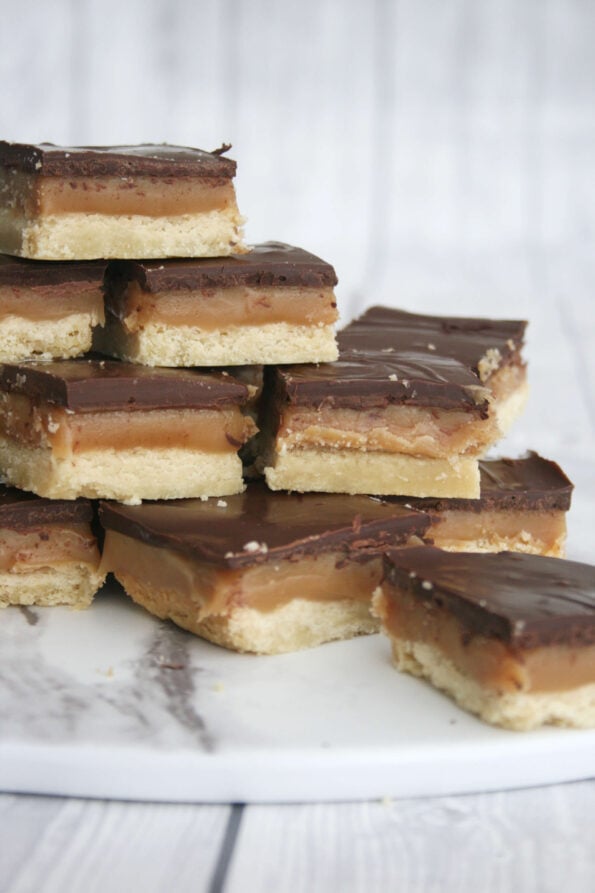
367, 132
533, 841
54, 844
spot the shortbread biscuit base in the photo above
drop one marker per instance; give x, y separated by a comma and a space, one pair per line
383, 474
72, 585
509, 407
293, 626
161, 345
79, 236
531, 531
521, 711
126, 475
22, 338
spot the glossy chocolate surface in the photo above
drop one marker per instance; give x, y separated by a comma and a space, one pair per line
146, 160
269, 264
524, 600
390, 356
16, 272
93, 385
20, 510
530, 483
231, 532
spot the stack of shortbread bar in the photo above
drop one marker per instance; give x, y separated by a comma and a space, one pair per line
260, 481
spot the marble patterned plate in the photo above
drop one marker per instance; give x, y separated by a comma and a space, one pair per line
111, 703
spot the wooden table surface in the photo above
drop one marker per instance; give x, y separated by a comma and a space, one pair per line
441, 156
537, 840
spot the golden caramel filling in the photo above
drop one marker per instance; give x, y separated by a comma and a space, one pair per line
544, 531
215, 308
67, 433
51, 302
489, 661
47, 546
414, 430
212, 590
150, 196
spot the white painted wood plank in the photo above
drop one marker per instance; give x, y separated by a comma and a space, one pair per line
36, 41
305, 136
537, 841
67, 846
419, 127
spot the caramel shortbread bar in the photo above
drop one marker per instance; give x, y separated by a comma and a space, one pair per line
510, 637
522, 508
275, 303
48, 551
409, 407
260, 572
48, 309
77, 203
102, 428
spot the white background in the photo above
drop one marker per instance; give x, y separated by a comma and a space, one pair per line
440, 153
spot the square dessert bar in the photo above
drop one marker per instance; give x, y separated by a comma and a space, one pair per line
411, 405
48, 551
79, 203
510, 637
261, 572
275, 303
522, 508
48, 309
102, 428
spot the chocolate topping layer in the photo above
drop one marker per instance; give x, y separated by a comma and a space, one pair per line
115, 161
530, 483
390, 356
524, 600
261, 525
92, 385
17, 272
19, 509
269, 264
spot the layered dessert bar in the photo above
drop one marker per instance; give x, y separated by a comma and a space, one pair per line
48, 309
261, 572
103, 428
275, 303
411, 405
522, 508
78, 203
511, 637
48, 551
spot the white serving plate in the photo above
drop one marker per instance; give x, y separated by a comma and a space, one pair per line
110, 702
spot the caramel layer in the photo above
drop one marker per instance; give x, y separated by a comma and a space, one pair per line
66, 433
489, 661
534, 531
214, 309
51, 302
396, 428
413, 430
213, 591
47, 546
150, 196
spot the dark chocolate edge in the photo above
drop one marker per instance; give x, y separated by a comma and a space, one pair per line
46, 159
363, 543
91, 396
304, 270
483, 621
